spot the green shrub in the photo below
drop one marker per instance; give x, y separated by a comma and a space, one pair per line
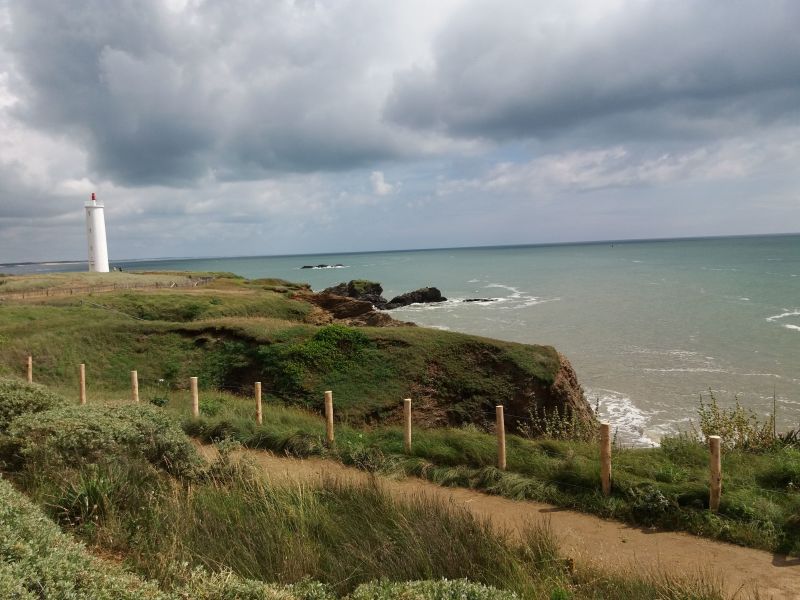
79, 434
738, 427
459, 589
18, 398
332, 347
210, 405
649, 504
225, 585
39, 562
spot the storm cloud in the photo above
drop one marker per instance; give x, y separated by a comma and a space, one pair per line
521, 69
310, 126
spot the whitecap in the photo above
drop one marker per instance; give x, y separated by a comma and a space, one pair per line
789, 313
625, 417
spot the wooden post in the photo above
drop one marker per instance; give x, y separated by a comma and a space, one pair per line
30, 369
716, 472
135, 386
195, 398
605, 458
259, 414
501, 438
407, 432
329, 417
82, 379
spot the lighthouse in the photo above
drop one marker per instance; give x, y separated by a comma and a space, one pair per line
96, 235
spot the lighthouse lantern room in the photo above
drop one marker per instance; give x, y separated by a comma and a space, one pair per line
96, 235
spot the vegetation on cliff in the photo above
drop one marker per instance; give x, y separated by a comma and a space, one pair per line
232, 332
221, 532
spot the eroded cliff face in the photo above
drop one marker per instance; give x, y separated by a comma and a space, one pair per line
442, 394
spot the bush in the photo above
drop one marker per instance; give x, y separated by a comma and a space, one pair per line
19, 398
225, 585
738, 427
459, 589
77, 434
39, 562
330, 348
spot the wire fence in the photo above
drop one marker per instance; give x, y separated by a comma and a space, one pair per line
96, 289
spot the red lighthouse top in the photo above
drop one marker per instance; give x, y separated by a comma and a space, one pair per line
93, 198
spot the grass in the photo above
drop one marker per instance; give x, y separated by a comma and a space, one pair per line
659, 487
224, 532
234, 332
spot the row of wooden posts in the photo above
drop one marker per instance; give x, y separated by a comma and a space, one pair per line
715, 462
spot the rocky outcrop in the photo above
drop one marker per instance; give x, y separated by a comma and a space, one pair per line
350, 311
422, 295
564, 397
371, 291
360, 289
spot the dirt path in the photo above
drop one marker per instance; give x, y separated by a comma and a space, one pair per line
583, 537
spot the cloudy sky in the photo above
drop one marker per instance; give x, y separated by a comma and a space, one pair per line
245, 127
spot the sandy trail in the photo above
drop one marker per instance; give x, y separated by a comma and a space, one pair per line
585, 538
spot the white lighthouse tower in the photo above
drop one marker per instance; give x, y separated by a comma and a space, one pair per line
96, 234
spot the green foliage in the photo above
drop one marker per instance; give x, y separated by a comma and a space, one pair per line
223, 360
331, 347
39, 562
19, 398
559, 425
210, 405
459, 589
81, 434
738, 428
649, 504
665, 486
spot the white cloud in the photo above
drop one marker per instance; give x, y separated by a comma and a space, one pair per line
379, 185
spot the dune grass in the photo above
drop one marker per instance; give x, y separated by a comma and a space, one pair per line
116, 479
656, 487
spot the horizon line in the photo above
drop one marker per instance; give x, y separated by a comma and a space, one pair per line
485, 247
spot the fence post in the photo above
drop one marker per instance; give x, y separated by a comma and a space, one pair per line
195, 397
30, 369
605, 458
329, 417
259, 414
501, 437
407, 432
716, 472
135, 386
82, 384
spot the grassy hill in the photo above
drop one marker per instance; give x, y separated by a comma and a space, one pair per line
231, 332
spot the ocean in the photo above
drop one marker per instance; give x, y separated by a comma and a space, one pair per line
648, 325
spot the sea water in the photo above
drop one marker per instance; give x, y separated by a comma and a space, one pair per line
648, 325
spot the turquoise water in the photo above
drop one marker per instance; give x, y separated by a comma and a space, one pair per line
647, 325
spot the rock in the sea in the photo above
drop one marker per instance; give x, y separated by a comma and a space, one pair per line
360, 289
422, 295
479, 300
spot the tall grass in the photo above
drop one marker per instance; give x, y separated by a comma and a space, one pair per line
665, 486
343, 535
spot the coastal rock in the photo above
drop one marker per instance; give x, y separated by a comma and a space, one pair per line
336, 266
360, 289
340, 307
564, 396
480, 300
420, 296
349, 311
